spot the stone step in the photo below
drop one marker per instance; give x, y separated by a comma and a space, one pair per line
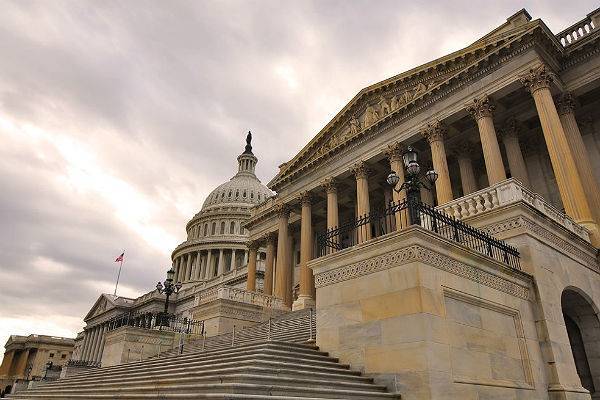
199, 390
217, 376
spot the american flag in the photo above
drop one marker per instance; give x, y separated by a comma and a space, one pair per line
120, 258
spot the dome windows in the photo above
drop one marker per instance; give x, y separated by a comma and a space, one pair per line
223, 228
232, 227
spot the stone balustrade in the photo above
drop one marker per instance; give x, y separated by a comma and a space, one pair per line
239, 295
577, 31
504, 193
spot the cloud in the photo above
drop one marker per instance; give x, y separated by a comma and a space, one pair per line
118, 118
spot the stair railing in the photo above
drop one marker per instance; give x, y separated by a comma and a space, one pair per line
310, 325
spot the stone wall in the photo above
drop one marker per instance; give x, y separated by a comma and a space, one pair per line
130, 344
430, 319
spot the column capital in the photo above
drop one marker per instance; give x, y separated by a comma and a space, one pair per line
540, 77
252, 245
282, 210
565, 103
463, 149
434, 131
270, 237
394, 151
360, 170
330, 185
480, 107
305, 198
510, 129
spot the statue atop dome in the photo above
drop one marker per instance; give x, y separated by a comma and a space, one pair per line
248, 149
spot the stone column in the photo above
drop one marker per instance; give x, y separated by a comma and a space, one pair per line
283, 261
251, 281
22, 363
516, 162
102, 333
481, 109
188, 268
268, 284
333, 217
566, 105
89, 341
175, 268
569, 182
361, 173
7, 362
434, 132
394, 155
307, 284
97, 345
232, 262
90, 353
221, 263
208, 268
198, 265
180, 268
463, 152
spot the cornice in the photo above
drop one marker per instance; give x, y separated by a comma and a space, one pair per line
487, 62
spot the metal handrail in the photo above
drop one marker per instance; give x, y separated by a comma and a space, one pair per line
404, 214
154, 320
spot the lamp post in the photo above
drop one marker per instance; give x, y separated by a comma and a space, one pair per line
168, 288
413, 182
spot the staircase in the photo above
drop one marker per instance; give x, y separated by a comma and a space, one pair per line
265, 370
294, 327
274, 360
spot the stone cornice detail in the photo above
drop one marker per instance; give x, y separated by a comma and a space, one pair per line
427, 256
510, 129
545, 235
480, 107
434, 131
485, 59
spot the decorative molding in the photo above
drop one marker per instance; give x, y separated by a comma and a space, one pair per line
510, 129
330, 185
305, 198
480, 107
427, 256
547, 237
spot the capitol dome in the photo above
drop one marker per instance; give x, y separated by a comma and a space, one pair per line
216, 238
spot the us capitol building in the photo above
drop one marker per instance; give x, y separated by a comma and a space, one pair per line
437, 239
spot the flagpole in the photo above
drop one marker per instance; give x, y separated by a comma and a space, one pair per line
119, 274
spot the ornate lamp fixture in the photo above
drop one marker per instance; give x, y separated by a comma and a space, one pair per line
168, 288
413, 182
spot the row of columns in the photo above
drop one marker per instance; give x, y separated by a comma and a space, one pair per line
196, 266
567, 152
93, 343
568, 156
14, 363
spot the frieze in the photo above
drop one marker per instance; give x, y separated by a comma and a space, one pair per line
481, 66
418, 253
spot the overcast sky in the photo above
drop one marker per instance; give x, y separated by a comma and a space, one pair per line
117, 118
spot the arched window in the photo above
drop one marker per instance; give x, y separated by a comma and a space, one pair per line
232, 227
223, 228
244, 193
252, 195
214, 229
237, 193
205, 229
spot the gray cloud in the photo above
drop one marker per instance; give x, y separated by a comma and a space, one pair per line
105, 104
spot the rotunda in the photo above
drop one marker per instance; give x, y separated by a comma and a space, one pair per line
216, 242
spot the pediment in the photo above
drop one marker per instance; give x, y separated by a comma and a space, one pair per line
103, 304
384, 99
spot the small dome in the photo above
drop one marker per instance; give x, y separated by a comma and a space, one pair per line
244, 188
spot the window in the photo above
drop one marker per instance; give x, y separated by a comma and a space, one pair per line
223, 228
214, 228
51, 355
245, 193
232, 227
63, 356
252, 195
205, 229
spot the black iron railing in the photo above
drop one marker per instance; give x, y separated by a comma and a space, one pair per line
401, 215
160, 321
83, 363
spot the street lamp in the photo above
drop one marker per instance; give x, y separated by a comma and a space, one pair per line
413, 182
168, 288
